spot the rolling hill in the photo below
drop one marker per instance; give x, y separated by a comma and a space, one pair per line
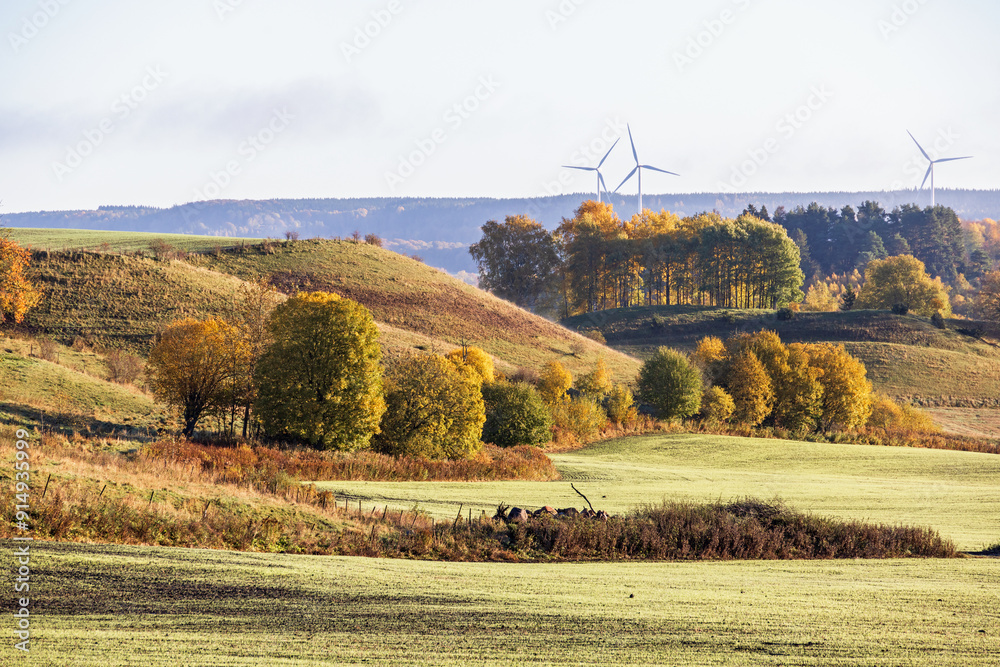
122, 300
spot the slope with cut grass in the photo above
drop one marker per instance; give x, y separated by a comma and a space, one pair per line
54, 240
906, 356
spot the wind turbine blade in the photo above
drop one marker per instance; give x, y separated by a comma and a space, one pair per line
952, 159
634, 153
918, 145
601, 163
662, 171
604, 185
566, 166
927, 175
630, 175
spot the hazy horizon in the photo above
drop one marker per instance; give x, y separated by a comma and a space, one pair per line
168, 103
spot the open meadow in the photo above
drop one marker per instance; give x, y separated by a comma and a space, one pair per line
120, 605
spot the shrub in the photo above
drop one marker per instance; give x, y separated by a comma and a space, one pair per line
320, 381
291, 235
900, 308
123, 367
710, 350
785, 314
583, 417
373, 239
475, 361
433, 409
595, 335
716, 405
937, 319
889, 415
621, 405
525, 374
48, 349
515, 415
596, 383
554, 383
669, 383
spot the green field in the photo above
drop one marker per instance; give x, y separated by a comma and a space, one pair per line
954, 492
107, 606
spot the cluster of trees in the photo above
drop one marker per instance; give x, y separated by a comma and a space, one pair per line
755, 379
838, 241
596, 261
310, 370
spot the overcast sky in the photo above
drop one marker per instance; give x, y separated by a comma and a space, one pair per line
164, 102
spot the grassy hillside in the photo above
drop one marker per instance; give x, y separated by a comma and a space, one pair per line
953, 492
110, 606
55, 240
905, 354
72, 395
412, 297
122, 300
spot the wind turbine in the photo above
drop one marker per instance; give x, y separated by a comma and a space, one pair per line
600, 177
638, 169
930, 169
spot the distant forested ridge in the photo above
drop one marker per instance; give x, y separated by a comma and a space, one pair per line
441, 229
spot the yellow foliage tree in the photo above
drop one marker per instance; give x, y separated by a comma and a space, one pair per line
902, 280
621, 405
476, 361
847, 393
190, 365
717, 405
554, 383
820, 299
320, 381
17, 294
596, 383
750, 388
433, 409
710, 349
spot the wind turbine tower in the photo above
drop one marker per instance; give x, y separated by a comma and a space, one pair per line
930, 169
638, 170
600, 177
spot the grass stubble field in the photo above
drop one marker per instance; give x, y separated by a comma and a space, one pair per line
117, 605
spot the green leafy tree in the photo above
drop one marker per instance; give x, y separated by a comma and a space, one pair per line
671, 384
320, 381
433, 409
515, 415
517, 259
902, 280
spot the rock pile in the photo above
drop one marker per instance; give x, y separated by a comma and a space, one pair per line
519, 515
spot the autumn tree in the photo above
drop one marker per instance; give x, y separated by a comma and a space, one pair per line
189, 366
750, 388
555, 381
17, 294
517, 260
515, 415
475, 361
847, 393
596, 383
902, 280
716, 405
248, 315
671, 384
320, 381
433, 409
621, 405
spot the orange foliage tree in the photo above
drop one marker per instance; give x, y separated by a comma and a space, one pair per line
17, 294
